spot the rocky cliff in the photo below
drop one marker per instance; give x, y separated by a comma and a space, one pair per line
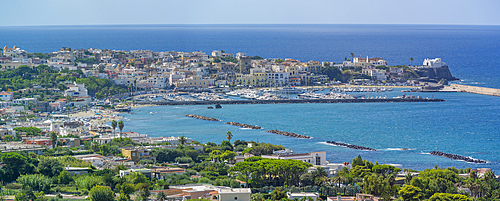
436, 73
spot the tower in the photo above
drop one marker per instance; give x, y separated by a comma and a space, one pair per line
245, 63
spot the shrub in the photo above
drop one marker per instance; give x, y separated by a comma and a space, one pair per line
12, 186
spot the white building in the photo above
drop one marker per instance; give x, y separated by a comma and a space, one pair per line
314, 158
280, 78
171, 140
76, 90
234, 194
240, 54
299, 196
195, 81
6, 96
4, 104
175, 76
375, 61
216, 53
378, 75
433, 63
25, 101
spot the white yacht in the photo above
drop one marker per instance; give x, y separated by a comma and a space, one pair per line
291, 90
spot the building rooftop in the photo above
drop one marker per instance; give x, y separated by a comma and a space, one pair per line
234, 190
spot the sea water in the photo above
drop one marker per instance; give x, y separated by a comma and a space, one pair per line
466, 124
471, 52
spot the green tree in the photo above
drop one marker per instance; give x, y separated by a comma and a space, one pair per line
15, 165
53, 138
101, 193
20, 196
120, 125
215, 155
385, 170
144, 192
332, 72
182, 140
357, 161
8, 138
448, 197
64, 178
126, 188
257, 197
161, 196
244, 170
411, 61
229, 136
123, 197
113, 125
410, 193
35, 182
87, 181
49, 167
227, 155
278, 194
432, 181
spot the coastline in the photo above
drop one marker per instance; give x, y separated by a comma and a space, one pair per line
107, 116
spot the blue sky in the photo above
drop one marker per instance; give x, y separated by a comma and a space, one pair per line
92, 12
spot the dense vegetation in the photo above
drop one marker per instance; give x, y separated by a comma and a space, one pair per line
26, 77
37, 175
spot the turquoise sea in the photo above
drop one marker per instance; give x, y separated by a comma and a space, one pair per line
466, 124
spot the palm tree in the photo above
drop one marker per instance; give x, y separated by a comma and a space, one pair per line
182, 140
352, 57
161, 196
120, 126
113, 125
94, 146
411, 61
229, 136
53, 138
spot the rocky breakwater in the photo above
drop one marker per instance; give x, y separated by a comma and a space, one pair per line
201, 117
243, 125
295, 135
457, 157
351, 146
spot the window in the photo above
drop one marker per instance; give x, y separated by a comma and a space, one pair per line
133, 154
235, 198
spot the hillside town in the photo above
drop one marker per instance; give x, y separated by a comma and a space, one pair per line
149, 70
64, 138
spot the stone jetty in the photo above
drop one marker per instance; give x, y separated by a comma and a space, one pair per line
457, 157
293, 101
201, 117
351, 146
295, 135
474, 89
243, 125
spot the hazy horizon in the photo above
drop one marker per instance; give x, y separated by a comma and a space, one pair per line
151, 12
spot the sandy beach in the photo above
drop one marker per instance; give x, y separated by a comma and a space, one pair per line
107, 116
